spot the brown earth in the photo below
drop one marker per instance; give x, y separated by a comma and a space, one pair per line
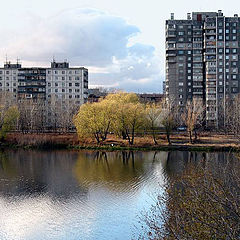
206, 139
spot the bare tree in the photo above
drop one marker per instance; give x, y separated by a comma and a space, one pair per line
169, 117
193, 116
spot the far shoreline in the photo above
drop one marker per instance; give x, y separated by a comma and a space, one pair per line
69, 141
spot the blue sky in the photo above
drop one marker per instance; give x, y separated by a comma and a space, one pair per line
121, 42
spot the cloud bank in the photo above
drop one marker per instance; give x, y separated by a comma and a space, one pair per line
95, 39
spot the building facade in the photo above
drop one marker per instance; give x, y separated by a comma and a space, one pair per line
202, 61
51, 91
42, 83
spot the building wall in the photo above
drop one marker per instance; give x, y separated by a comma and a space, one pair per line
202, 56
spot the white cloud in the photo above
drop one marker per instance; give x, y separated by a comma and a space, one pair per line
91, 38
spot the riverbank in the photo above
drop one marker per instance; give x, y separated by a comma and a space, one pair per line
206, 142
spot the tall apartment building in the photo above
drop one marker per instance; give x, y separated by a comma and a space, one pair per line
202, 60
42, 83
57, 88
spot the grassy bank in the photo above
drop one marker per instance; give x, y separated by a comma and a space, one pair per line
208, 142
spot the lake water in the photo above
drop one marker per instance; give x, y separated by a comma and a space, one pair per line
83, 194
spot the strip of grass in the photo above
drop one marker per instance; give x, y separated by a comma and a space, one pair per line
52, 146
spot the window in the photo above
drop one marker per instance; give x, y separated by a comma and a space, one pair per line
70, 90
227, 50
63, 90
56, 72
77, 84
56, 90
70, 84
234, 38
63, 72
220, 30
63, 78
49, 84
180, 84
234, 31
189, 64
189, 77
234, 50
189, 52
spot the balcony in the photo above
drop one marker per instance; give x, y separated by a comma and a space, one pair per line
210, 26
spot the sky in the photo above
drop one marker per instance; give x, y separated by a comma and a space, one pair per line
122, 43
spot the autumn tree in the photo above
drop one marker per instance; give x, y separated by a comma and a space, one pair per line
232, 116
169, 117
153, 114
121, 113
193, 116
200, 203
94, 119
129, 116
8, 113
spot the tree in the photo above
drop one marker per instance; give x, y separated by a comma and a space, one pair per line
169, 117
8, 113
121, 113
192, 116
232, 118
153, 113
94, 119
198, 204
129, 115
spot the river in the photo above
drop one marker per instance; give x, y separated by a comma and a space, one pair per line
68, 195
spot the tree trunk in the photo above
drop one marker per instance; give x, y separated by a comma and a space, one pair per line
195, 135
168, 139
154, 138
190, 136
124, 136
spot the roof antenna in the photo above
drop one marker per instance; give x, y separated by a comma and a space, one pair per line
6, 59
53, 58
18, 60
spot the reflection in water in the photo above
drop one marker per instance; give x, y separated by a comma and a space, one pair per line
75, 195
81, 195
119, 171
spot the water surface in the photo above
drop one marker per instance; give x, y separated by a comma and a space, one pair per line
83, 195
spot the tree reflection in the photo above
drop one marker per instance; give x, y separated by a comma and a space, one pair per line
116, 170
